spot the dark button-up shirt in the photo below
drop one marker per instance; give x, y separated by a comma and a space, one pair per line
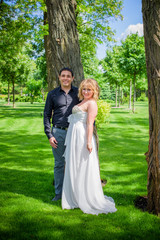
60, 105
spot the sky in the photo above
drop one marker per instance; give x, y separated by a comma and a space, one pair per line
132, 23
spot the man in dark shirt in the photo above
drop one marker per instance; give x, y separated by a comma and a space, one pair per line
59, 104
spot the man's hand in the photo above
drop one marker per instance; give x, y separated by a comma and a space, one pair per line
53, 142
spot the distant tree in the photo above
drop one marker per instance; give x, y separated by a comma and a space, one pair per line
112, 73
33, 89
151, 21
13, 28
132, 59
37, 53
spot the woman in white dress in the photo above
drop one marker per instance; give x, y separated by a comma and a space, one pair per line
82, 184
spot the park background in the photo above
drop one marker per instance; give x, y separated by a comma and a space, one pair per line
123, 127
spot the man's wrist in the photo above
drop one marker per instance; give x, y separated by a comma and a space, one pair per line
49, 136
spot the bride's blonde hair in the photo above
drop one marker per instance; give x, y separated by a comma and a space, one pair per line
90, 82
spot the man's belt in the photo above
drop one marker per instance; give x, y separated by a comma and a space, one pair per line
62, 128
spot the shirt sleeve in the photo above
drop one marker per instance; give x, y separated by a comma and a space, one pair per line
47, 116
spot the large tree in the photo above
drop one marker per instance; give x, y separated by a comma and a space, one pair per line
62, 46
151, 22
67, 19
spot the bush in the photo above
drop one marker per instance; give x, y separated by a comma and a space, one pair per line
11, 98
103, 115
3, 97
109, 101
126, 99
3, 88
38, 99
18, 98
143, 98
24, 99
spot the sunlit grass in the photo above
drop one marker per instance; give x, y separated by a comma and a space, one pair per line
26, 175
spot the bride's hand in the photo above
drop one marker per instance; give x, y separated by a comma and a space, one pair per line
89, 147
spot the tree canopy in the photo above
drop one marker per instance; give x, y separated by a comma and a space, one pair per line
93, 18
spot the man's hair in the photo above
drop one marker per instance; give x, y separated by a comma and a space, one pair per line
66, 69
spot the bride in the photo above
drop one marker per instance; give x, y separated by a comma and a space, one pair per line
82, 184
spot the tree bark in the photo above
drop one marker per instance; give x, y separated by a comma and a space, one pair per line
50, 67
130, 94
119, 96
62, 45
21, 91
122, 95
134, 92
151, 21
116, 95
8, 93
13, 87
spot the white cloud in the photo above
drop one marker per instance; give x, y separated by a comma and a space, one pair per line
138, 28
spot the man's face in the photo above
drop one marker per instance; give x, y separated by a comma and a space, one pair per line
66, 78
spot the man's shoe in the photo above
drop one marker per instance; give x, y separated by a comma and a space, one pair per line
57, 197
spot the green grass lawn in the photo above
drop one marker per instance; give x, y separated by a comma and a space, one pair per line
26, 175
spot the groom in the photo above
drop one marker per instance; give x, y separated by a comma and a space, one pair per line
59, 104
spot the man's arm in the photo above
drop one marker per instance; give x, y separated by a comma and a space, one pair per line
47, 116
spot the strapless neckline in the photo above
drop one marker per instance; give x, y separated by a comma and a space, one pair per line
76, 107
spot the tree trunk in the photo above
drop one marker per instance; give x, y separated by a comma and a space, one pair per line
13, 94
32, 99
8, 93
130, 95
119, 96
134, 92
116, 95
62, 45
50, 67
122, 95
151, 20
42, 91
21, 91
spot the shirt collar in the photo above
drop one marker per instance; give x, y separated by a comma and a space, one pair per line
72, 89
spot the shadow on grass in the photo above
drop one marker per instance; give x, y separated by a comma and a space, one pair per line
19, 147
138, 121
73, 224
32, 184
26, 164
26, 186
21, 111
23, 162
120, 112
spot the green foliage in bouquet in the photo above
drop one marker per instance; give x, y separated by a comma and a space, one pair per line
103, 115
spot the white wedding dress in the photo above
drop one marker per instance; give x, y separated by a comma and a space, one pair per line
82, 184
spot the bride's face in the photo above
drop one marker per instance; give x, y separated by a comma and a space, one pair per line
87, 92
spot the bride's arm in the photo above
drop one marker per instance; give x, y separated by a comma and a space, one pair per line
92, 112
